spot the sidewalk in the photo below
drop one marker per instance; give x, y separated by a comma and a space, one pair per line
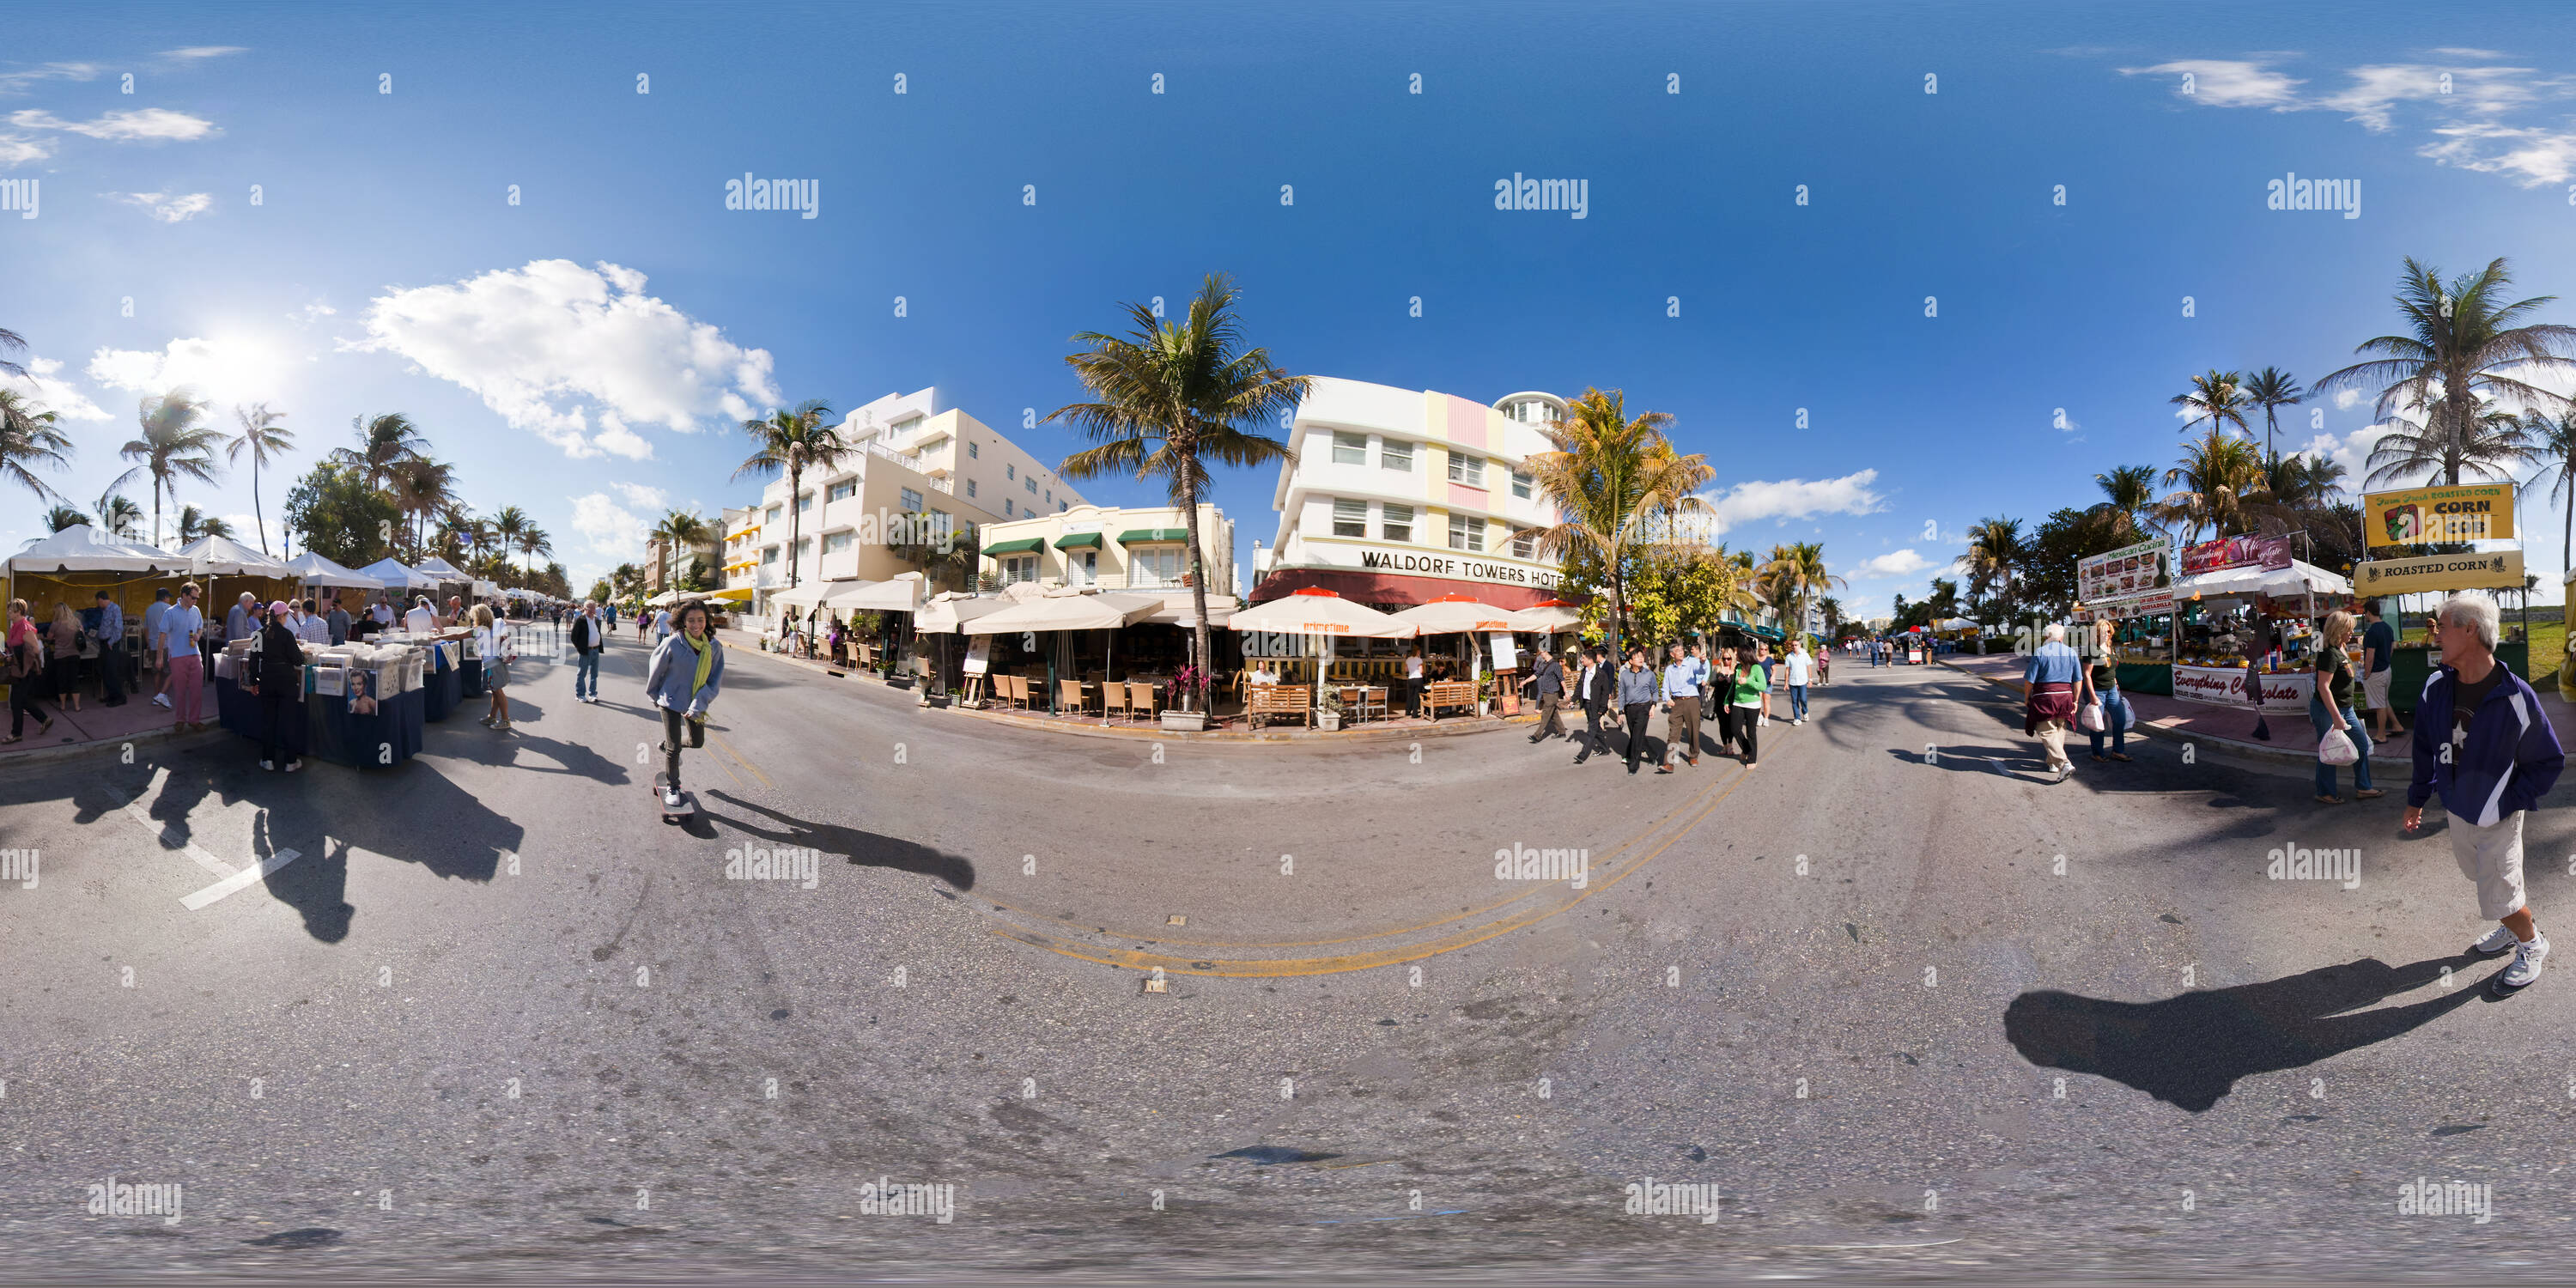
1221, 729
2293, 737
96, 723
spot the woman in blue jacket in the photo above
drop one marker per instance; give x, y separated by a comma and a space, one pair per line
687, 666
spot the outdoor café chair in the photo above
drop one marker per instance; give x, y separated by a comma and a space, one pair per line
1141, 696
1069, 696
1113, 698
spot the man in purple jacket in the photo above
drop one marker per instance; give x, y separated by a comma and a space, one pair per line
2482, 741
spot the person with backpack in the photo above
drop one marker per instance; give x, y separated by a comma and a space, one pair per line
688, 666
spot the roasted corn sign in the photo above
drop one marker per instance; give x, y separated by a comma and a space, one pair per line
2484, 570
2469, 512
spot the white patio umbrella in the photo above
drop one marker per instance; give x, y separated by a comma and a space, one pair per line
1319, 612
1458, 615
942, 616
1067, 613
1548, 617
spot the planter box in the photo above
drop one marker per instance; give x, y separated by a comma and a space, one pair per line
1185, 721
1329, 721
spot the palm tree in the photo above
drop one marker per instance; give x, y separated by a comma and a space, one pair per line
1798, 571
507, 524
1833, 611
1169, 398
117, 516
2131, 491
533, 541
194, 523
422, 488
2493, 444
2272, 389
2217, 474
265, 442
63, 516
1996, 551
2462, 348
793, 441
1619, 487
384, 444
174, 445
28, 437
11, 342
2555, 442
2217, 397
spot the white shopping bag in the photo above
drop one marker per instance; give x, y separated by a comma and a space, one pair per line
2090, 719
2336, 748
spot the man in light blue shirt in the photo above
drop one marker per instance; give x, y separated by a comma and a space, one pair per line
2048, 690
1683, 677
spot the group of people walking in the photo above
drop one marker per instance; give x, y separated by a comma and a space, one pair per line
1734, 688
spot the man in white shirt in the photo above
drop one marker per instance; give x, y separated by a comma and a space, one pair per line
1800, 666
420, 620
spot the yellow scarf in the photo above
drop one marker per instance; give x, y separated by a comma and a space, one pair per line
706, 663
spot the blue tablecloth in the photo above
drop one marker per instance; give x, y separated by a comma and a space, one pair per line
441, 688
244, 714
391, 735
469, 674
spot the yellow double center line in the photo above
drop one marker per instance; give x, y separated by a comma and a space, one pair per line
1260, 968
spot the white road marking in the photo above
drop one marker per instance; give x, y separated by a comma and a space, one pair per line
230, 881
240, 880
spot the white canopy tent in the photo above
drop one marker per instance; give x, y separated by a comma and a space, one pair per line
82, 548
225, 557
2300, 578
391, 574
441, 569
321, 572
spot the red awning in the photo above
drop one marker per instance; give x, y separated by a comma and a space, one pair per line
1398, 589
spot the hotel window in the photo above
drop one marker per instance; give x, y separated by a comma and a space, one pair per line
1010, 471
973, 452
1466, 532
774, 512
1154, 566
1350, 449
908, 500
1350, 518
1398, 523
1525, 546
1395, 455
842, 491
1521, 484
1019, 568
1084, 570
1060, 507
835, 542
769, 554
1469, 470
1050, 496
970, 487
1031, 482
1006, 507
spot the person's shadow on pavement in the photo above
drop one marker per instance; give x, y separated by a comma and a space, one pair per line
2189, 1050
867, 849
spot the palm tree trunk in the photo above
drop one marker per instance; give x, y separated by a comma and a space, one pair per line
2567, 542
257, 515
1198, 593
795, 520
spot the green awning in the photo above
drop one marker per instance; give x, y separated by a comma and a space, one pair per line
1020, 547
1135, 536
1079, 541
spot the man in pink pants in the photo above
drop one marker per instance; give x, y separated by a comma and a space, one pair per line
180, 627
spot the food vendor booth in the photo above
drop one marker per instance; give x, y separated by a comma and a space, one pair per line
2247, 628
72, 566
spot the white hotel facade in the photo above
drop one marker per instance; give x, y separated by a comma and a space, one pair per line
1399, 496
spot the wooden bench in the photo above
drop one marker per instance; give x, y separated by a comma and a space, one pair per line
1263, 701
1449, 693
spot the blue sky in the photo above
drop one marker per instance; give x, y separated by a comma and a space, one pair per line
585, 353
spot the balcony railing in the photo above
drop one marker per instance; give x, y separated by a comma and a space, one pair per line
910, 461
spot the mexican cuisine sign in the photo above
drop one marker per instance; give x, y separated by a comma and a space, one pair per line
2469, 512
2131, 581
2485, 570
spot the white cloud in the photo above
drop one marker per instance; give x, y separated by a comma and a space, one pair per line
2347, 399
312, 311
541, 344
613, 533
2218, 82
1793, 499
61, 397
144, 125
20, 149
245, 527
1895, 563
640, 496
2351, 451
230, 370
166, 207
195, 53
2535, 157
17, 82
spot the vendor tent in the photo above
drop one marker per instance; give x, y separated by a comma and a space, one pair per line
82, 548
2301, 577
315, 570
390, 573
439, 568
225, 557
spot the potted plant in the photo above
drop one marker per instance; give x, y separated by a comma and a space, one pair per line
1188, 714
1485, 694
1328, 710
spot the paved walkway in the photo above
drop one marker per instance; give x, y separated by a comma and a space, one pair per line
96, 722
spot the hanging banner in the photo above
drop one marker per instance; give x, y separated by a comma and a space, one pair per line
2131, 581
2224, 686
2268, 553
2468, 512
2484, 570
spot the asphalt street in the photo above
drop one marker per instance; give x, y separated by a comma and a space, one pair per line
1907, 1007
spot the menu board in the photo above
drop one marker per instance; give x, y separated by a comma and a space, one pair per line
1506, 656
979, 655
2131, 581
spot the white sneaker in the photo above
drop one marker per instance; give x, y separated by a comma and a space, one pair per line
269, 765
161, 700
2496, 943
671, 799
2526, 963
